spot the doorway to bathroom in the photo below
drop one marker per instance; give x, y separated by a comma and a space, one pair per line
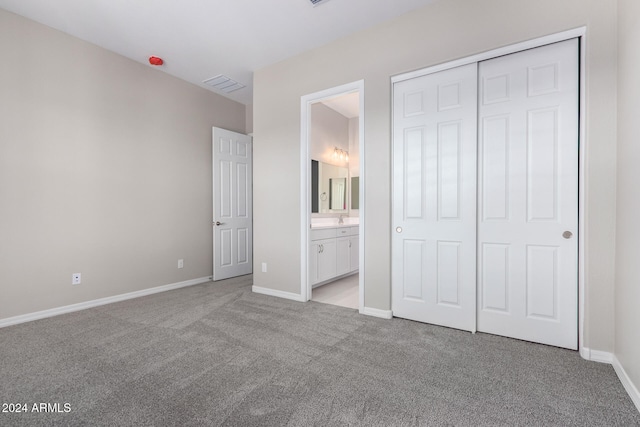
332, 196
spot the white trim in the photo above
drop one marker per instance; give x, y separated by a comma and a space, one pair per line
376, 312
361, 193
580, 33
98, 302
305, 202
611, 359
582, 188
585, 353
277, 293
596, 355
333, 279
494, 53
628, 385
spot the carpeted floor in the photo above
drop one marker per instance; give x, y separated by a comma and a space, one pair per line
217, 354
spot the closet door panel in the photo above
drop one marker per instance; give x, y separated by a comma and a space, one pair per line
528, 188
434, 198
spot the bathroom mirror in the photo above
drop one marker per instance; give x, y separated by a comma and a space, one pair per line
328, 188
338, 194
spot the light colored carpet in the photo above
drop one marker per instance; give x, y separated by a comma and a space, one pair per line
218, 354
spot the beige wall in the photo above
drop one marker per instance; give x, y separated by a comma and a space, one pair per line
440, 32
249, 119
105, 169
627, 348
328, 130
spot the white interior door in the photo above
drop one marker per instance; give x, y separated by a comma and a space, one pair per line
528, 195
526, 137
232, 204
434, 198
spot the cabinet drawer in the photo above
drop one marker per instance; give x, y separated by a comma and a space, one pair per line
347, 231
323, 233
343, 231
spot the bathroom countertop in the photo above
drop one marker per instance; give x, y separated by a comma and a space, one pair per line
332, 225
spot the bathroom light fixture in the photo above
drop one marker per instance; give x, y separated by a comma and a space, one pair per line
340, 154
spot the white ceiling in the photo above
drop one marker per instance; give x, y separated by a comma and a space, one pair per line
347, 105
199, 39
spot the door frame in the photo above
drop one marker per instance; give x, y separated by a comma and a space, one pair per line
306, 102
581, 34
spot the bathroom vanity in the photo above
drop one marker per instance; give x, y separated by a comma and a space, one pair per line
334, 252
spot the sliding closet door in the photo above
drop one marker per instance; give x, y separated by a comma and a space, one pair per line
528, 195
434, 198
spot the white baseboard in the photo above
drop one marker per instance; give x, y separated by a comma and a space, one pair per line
98, 302
584, 353
610, 358
631, 389
376, 312
276, 293
596, 355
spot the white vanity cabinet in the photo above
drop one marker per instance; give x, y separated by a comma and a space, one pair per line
342, 262
354, 252
333, 253
322, 255
347, 247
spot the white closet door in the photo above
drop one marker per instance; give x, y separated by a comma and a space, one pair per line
528, 195
434, 198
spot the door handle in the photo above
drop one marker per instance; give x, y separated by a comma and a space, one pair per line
567, 234
218, 223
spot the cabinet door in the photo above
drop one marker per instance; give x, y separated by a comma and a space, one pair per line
343, 263
314, 252
354, 253
326, 259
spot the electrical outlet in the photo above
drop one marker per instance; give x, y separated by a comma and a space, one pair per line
264, 267
76, 279
180, 263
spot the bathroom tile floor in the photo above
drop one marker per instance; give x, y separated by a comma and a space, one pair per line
343, 292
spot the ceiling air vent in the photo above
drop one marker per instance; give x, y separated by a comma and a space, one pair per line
317, 2
223, 83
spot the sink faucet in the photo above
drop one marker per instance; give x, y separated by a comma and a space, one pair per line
340, 219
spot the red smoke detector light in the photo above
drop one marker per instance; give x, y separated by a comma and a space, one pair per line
154, 60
